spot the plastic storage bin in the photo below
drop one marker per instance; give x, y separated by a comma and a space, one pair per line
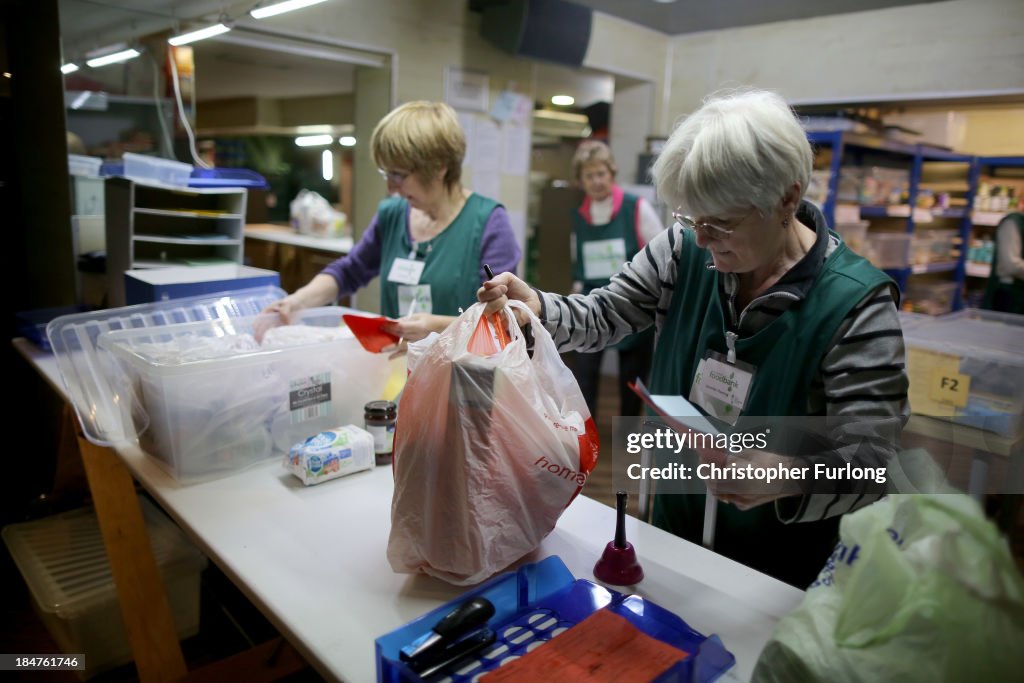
88, 371
539, 601
79, 164
933, 246
854, 235
63, 561
932, 298
981, 346
156, 170
888, 249
211, 401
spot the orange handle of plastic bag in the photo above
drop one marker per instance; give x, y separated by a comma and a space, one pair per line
482, 342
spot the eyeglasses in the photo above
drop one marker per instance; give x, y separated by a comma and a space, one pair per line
709, 229
393, 177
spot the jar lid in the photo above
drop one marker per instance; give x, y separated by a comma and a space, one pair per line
381, 407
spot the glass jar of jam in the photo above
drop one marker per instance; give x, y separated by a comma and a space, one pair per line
380, 418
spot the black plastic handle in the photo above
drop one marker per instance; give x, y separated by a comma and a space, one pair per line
468, 615
620, 519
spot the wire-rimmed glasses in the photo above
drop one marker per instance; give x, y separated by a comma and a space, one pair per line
393, 177
709, 229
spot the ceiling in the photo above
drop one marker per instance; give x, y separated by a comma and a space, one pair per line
689, 16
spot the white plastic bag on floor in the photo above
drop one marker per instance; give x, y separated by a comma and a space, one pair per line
489, 450
921, 588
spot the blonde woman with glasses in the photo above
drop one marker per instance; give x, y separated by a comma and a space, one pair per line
754, 299
429, 240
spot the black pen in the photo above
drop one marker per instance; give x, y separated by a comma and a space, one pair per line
490, 273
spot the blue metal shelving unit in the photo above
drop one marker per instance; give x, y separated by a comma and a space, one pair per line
859, 147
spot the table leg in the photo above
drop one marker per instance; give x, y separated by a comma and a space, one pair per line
143, 599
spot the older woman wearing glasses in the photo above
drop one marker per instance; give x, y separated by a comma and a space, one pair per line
429, 240
750, 289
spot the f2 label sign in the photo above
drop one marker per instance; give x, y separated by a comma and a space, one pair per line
949, 387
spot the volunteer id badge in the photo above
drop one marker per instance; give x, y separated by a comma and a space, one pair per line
414, 299
721, 388
603, 258
406, 271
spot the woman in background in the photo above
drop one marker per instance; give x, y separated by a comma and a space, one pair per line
609, 228
429, 240
1005, 290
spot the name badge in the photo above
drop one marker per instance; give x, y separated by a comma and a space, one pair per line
414, 299
406, 271
721, 388
603, 258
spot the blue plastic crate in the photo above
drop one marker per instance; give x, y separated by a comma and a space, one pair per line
542, 600
227, 177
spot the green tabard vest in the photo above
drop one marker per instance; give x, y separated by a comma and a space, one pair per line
1015, 289
787, 354
622, 225
452, 258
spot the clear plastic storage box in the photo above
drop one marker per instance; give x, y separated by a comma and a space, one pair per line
888, 249
854, 235
63, 561
206, 399
933, 246
932, 298
156, 170
981, 351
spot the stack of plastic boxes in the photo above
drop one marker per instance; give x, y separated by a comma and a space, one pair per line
63, 561
144, 372
980, 352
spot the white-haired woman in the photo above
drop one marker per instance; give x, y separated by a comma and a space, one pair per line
751, 282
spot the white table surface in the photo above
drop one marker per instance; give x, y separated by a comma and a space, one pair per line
337, 245
313, 560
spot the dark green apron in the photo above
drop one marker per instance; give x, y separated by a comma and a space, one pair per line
1009, 294
452, 258
621, 226
787, 354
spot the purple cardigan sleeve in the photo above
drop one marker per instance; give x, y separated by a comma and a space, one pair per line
498, 246
355, 270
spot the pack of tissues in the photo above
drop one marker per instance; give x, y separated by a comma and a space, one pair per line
331, 453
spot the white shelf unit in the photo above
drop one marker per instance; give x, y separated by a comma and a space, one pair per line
152, 226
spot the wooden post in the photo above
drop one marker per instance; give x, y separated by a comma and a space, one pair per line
144, 606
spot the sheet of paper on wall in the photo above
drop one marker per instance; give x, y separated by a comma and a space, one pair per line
515, 158
486, 183
487, 155
505, 106
468, 123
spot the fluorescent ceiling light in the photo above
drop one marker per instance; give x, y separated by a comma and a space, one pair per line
563, 100
122, 56
199, 34
314, 140
327, 164
69, 68
281, 8
347, 141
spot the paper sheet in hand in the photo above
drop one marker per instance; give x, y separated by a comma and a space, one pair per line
683, 416
369, 331
679, 413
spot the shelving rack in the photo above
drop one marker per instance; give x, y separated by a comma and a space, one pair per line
152, 226
989, 165
861, 150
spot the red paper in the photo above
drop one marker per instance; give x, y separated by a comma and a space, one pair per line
370, 332
603, 647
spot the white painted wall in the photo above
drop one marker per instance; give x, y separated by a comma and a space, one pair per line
958, 47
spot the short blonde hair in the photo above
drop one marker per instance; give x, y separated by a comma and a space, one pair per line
741, 148
592, 151
420, 137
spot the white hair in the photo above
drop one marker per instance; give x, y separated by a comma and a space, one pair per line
742, 148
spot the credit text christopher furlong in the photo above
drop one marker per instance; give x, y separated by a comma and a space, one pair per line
734, 443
